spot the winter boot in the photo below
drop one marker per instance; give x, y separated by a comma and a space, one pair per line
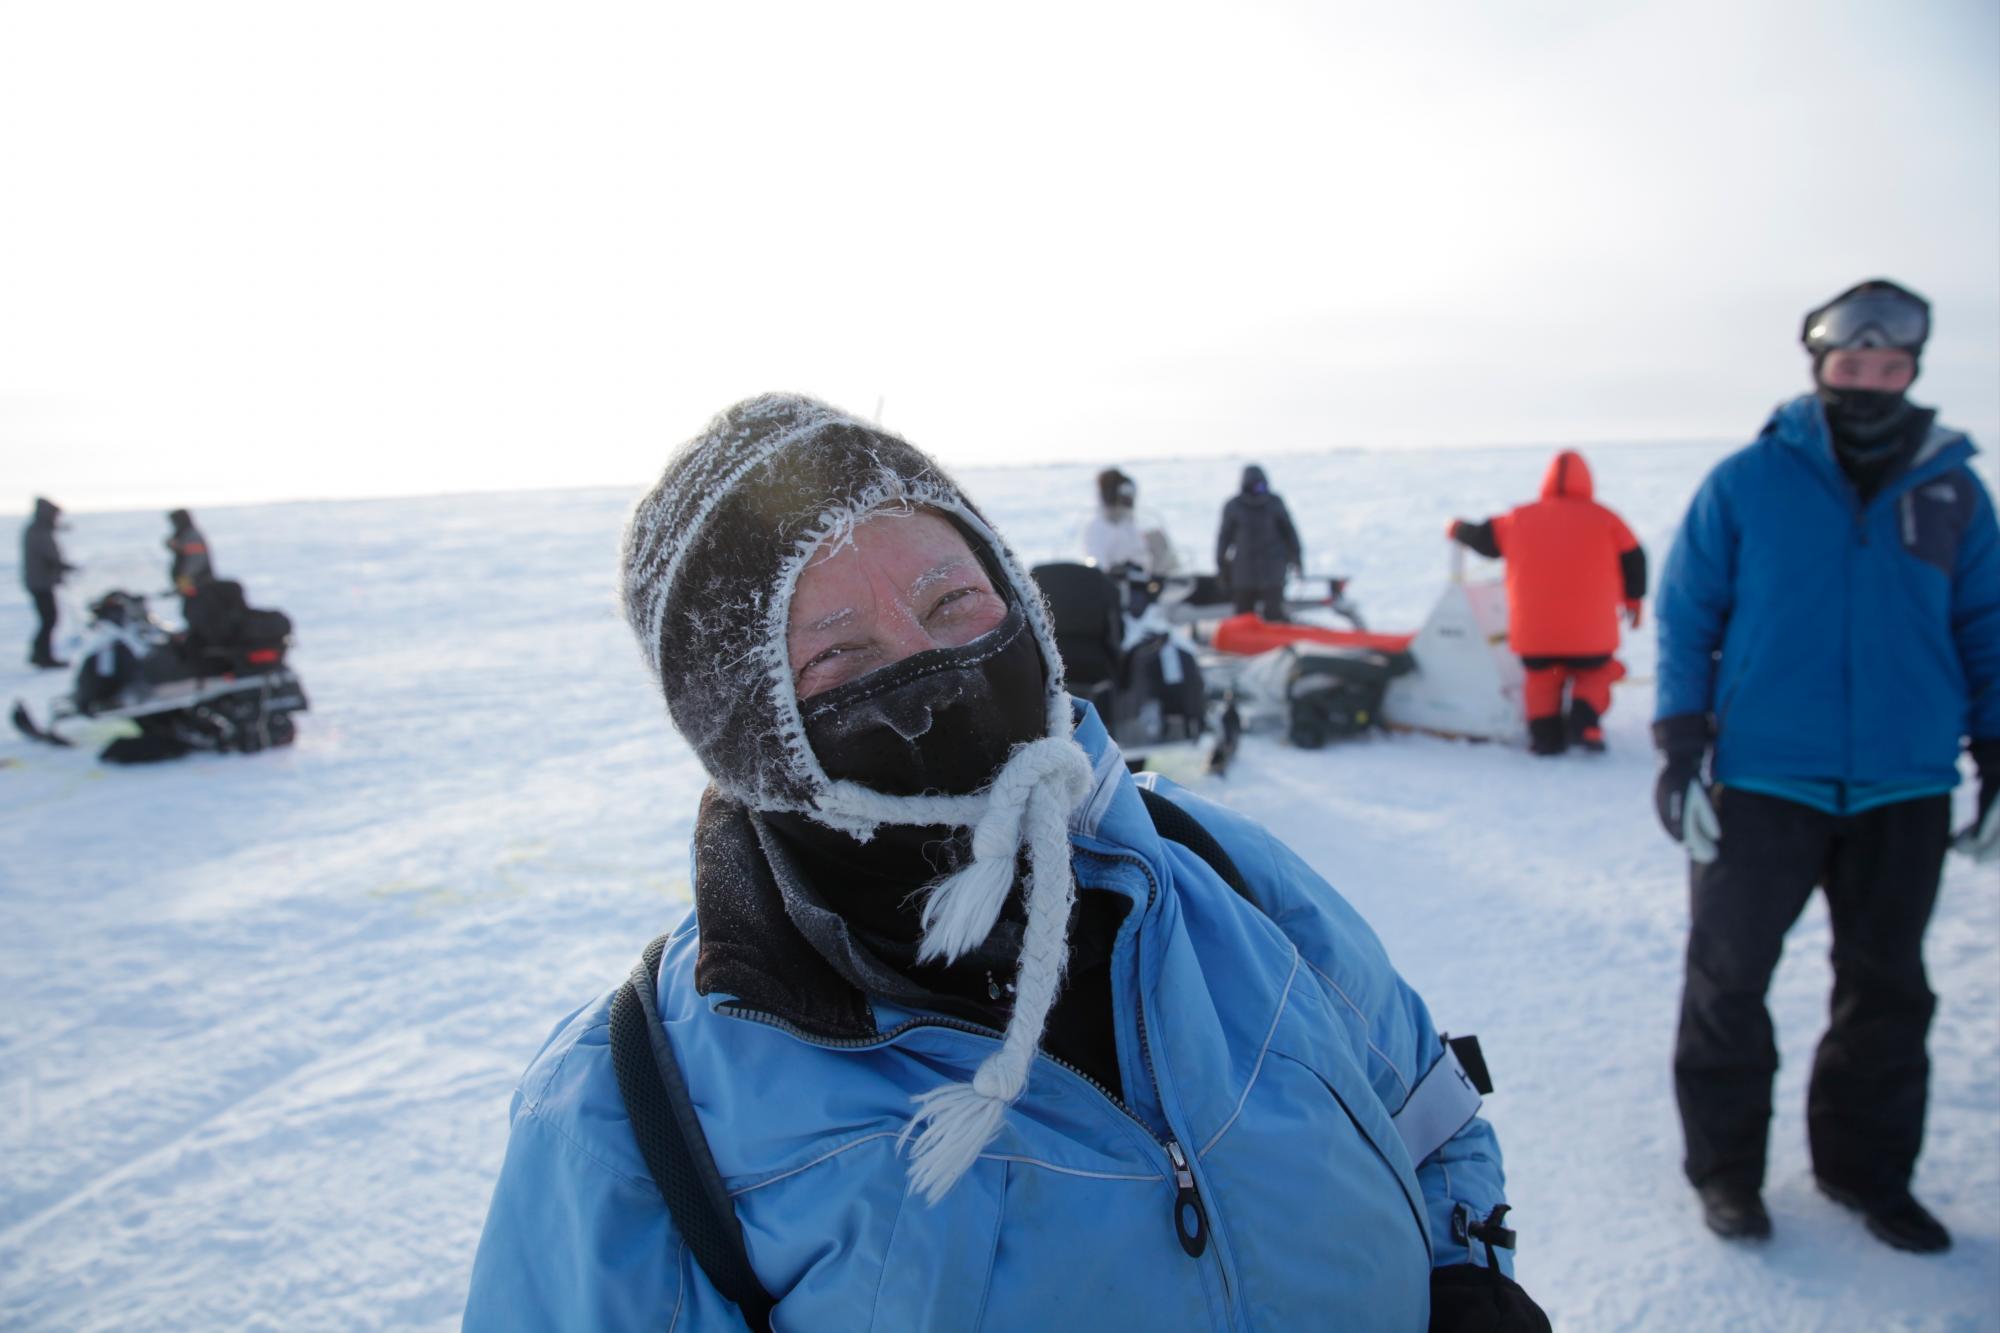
1733, 1211
1547, 735
1896, 1219
1585, 729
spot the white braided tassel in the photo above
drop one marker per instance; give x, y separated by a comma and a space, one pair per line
1029, 801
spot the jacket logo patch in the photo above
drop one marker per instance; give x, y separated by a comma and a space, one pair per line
1931, 520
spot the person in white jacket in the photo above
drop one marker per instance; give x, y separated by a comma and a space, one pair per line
1119, 537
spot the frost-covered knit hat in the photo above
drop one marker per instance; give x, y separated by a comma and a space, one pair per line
712, 556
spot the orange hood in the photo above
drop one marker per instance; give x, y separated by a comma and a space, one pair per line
1568, 476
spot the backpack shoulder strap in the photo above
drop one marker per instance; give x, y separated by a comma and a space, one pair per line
1177, 825
671, 1140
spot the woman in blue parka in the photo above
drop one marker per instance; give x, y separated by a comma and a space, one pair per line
977, 1032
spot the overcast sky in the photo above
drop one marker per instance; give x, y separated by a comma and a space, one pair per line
273, 250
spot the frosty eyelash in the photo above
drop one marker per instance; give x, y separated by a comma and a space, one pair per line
955, 595
826, 655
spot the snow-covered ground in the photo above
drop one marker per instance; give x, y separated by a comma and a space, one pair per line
259, 1018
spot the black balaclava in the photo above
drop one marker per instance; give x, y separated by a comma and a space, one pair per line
942, 721
1872, 432
1254, 482
938, 721
1872, 441
1862, 419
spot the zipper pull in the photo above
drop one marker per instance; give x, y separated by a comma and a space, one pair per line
1190, 1218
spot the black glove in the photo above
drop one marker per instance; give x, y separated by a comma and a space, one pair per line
1980, 839
1466, 1298
1986, 756
1683, 744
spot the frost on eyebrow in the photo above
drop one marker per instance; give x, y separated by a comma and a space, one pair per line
931, 578
833, 619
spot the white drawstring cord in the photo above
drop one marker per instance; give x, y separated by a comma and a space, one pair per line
1030, 800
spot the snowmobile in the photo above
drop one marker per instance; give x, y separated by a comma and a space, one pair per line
1313, 695
1141, 672
1456, 676
1316, 693
221, 685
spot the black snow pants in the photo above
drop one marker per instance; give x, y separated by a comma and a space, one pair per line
1865, 1106
42, 651
1266, 602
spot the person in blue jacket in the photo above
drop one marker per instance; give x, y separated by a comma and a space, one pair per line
972, 1041
1829, 623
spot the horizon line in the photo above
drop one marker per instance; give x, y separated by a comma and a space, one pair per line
24, 502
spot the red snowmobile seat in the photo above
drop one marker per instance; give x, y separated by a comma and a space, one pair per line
1249, 634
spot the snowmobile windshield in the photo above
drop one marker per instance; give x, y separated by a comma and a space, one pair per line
1879, 317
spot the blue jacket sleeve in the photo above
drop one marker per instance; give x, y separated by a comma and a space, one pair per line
577, 1238
1395, 1038
1696, 595
1975, 615
1388, 1023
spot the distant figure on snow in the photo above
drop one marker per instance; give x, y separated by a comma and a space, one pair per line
190, 570
1257, 547
1571, 564
42, 568
1829, 638
1118, 537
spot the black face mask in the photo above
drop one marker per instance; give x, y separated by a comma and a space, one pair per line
942, 721
1863, 417
937, 721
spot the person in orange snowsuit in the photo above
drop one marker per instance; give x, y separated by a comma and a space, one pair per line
1572, 565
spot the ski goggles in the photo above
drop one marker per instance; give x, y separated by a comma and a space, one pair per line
1868, 319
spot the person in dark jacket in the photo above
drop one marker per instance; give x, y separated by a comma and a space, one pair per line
1257, 547
42, 569
189, 568
1829, 624
1572, 565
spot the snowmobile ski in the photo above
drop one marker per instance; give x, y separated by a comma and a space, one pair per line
25, 724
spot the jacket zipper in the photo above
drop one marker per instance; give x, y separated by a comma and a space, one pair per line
1190, 1214
1854, 558
1190, 1218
